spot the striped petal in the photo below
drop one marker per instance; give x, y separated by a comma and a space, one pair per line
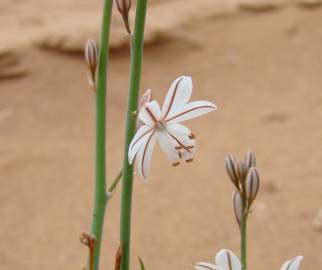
227, 260
205, 266
144, 155
150, 113
293, 264
178, 95
138, 141
190, 110
168, 145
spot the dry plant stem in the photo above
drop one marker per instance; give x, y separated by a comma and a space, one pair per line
100, 181
243, 237
135, 79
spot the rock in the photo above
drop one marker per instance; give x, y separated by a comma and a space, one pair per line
317, 222
260, 5
309, 3
10, 64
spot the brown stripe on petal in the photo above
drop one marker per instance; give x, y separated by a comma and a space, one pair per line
178, 147
177, 140
155, 120
204, 266
138, 139
146, 147
229, 261
174, 117
172, 98
190, 147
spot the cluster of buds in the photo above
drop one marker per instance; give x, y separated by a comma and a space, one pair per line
91, 59
124, 7
245, 178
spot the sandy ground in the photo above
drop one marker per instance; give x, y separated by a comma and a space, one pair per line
263, 70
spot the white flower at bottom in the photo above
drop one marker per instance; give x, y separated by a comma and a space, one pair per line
175, 139
227, 260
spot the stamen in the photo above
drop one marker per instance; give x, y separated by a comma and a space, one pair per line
191, 136
175, 164
189, 160
180, 154
178, 147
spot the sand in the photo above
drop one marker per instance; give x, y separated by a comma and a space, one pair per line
262, 67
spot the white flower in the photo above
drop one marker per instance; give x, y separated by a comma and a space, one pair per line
227, 260
176, 140
224, 260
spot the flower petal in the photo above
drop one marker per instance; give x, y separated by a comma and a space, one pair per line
178, 95
138, 140
227, 260
178, 129
190, 110
168, 145
205, 266
293, 264
183, 138
150, 113
144, 155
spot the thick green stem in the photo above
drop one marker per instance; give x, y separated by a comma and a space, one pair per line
243, 239
135, 79
100, 172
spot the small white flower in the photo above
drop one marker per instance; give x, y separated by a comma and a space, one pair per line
227, 260
176, 140
292, 264
224, 260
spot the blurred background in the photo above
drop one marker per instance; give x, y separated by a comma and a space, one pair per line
260, 61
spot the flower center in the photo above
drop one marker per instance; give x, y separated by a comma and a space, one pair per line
161, 126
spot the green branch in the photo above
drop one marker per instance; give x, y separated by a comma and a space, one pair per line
100, 171
135, 79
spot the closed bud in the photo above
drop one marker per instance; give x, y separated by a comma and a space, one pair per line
250, 160
238, 206
252, 185
146, 98
91, 56
231, 169
241, 171
124, 7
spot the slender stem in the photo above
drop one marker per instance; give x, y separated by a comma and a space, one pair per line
135, 79
100, 172
243, 238
115, 182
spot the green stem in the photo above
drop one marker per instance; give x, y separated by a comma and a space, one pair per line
100, 172
135, 79
243, 238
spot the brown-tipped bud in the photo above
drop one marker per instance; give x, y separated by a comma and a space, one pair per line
238, 206
118, 258
252, 185
241, 171
250, 160
231, 169
124, 7
146, 98
91, 58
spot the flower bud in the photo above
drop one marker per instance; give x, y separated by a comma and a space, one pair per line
250, 160
241, 170
231, 169
252, 185
238, 206
124, 7
146, 98
91, 56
